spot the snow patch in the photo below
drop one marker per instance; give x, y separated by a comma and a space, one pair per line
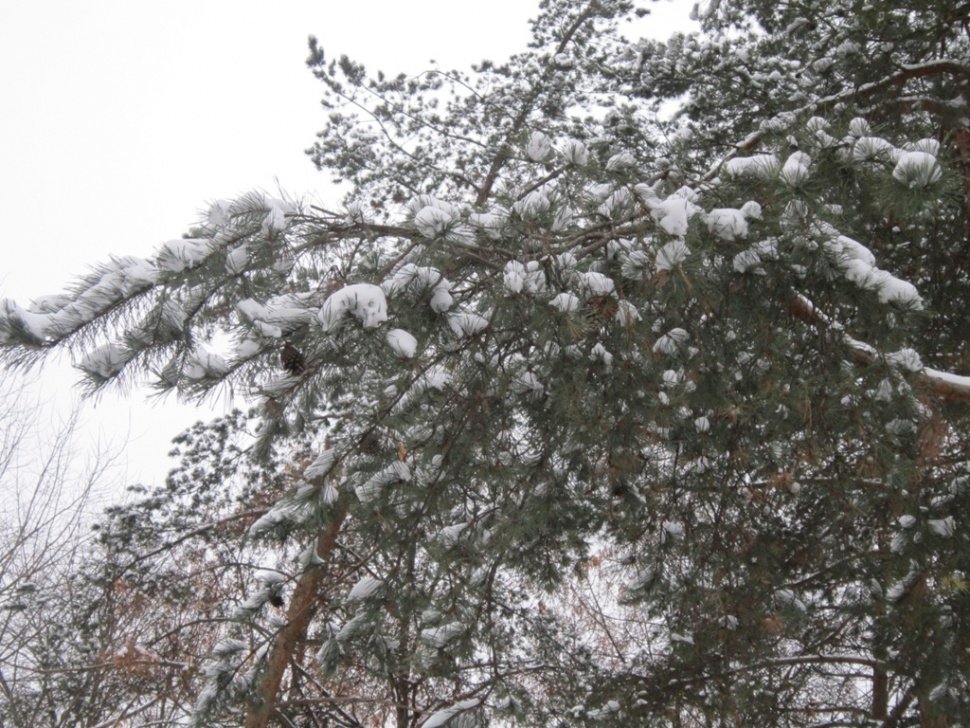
620, 160
396, 472
672, 215
275, 220
204, 364
943, 527
575, 153
322, 465
465, 323
751, 210
533, 205
858, 265
672, 255
796, 171
364, 300
565, 302
626, 313
36, 325
859, 127
600, 353
106, 361
873, 149
523, 277
185, 253
440, 636
907, 359
619, 202
596, 284
917, 169
491, 221
419, 279
671, 342
727, 223
367, 587
760, 166
237, 258
402, 343
441, 717
538, 146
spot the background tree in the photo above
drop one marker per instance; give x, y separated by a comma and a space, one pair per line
553, 332
50, 494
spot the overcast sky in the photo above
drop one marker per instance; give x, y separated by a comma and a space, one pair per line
120, 120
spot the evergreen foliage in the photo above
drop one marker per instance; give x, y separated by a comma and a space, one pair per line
594, 413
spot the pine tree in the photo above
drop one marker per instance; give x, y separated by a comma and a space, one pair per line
558, 337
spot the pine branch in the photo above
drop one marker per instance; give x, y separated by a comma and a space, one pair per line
951, 387
933, 68
781, 662
518, 123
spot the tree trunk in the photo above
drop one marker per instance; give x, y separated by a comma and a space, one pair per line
880, 694
961, 137
302, 607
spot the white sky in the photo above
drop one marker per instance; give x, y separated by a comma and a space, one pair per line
119, 120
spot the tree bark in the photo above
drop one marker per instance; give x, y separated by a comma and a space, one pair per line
302, 608
880, 694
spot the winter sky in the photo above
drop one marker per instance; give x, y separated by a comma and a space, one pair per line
120, 120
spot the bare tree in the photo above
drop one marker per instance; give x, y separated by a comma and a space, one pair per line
47, 490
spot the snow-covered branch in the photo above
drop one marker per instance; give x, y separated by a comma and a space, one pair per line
946, 385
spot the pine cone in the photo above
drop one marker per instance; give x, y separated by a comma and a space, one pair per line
292, 359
